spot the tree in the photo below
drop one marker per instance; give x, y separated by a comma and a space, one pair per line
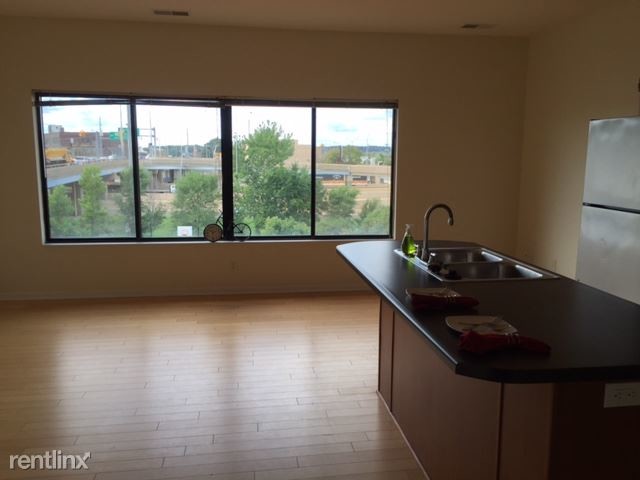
94, 215
368, 207
383, 159
152, 213
152, 216
125, 200
61, 212
344, 154
278, 192
374, 218
334, 210
321, 197
267, 147
265, 187
341, 201
212, 147
333, 156
284, 226
195, 200
336, 226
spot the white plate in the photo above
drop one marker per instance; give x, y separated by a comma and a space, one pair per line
434, 292
480, 324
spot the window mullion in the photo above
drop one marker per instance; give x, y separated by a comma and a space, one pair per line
43, 173
313, 172
137, 199
227, 172
392, 193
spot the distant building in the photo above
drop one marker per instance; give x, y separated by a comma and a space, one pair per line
83, 144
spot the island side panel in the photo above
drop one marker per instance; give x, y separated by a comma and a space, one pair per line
525, 439
591, 442
450, 421
385, 354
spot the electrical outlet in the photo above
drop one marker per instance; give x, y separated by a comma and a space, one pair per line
621, 395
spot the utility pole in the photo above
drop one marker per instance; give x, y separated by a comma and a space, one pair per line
152, 131
121, 135
99, 142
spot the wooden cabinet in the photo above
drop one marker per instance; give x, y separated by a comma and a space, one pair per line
450, 421
385, 358
468, 429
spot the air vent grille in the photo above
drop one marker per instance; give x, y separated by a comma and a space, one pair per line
171, 13
472, 26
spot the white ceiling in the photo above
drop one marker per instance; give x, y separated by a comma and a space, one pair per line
510, 17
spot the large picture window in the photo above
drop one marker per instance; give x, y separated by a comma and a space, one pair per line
147, 169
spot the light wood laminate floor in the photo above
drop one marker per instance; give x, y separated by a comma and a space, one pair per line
233, 388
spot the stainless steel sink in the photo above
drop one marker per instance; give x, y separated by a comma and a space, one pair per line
463, 255
485, 270
476, 264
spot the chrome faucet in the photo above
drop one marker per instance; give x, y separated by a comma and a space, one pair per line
425, 243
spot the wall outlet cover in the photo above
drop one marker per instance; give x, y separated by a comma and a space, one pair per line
621, 394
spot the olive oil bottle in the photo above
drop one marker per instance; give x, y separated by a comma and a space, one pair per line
408, 244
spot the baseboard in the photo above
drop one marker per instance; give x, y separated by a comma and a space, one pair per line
252, 290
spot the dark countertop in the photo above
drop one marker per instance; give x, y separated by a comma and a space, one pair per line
593, 335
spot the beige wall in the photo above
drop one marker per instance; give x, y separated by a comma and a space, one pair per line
461, 108
587, 69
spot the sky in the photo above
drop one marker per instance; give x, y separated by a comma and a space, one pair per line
178, 125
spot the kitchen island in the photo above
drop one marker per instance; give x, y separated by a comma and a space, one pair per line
508, 415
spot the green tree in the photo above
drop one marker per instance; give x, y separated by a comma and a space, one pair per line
278, 192
369, 207
383, 159
153, 215
284, 226
321, 197
333, 156
374, 218
125, 199
265, 187
344, 154
341, 201
94, 215
195, 201
212, 147
337, 226
61, 212
335, 207
267, 147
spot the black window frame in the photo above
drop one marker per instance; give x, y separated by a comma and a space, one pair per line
43, 99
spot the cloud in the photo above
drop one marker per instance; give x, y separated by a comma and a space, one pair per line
342, 128
354, 126
173, 124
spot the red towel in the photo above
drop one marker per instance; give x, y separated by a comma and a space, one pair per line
477, 343
435, 302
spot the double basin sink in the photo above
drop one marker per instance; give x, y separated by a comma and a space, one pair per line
475, 264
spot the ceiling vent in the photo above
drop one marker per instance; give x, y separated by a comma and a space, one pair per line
473, 26
171, 13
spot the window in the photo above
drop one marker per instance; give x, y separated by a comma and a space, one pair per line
354, 164
180, 169
86, 157
272, 169
287, 169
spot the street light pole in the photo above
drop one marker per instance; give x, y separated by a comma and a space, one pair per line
99, 142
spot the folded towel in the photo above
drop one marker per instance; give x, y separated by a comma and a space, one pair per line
436, 302
477, 343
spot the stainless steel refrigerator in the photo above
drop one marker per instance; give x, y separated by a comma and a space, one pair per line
609, 250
